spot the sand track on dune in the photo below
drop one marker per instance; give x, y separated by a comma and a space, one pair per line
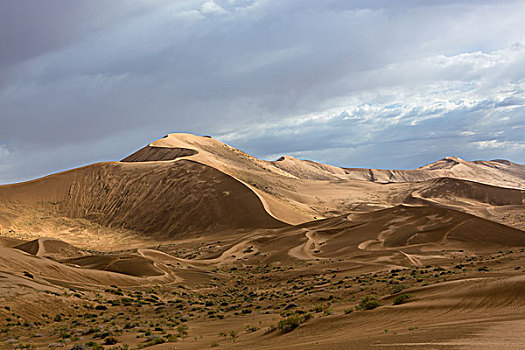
308, 249
413, 259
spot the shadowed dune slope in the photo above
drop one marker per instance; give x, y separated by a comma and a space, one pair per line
52, 248
454, 189
163, 198
153, 154
404, 225
127, 264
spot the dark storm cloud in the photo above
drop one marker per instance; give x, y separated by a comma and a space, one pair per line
333, 80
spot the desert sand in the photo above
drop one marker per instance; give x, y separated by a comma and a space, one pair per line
189, 243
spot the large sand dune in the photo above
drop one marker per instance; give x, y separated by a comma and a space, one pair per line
189, 232
151, 198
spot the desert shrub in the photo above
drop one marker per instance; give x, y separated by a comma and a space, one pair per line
172, 338
348, 311
269, 330
397, 288
79, 347
183, 330
110, 341
290, 323
93, 345
234, 335
320, 308
369, 303
250, 329
154, 340
328, 311
401, 298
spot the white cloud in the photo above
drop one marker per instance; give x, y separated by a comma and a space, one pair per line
210, 7
4, 153
496, 144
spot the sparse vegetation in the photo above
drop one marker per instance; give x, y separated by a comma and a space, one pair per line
250, 329
290, 323
369, 303
402, 298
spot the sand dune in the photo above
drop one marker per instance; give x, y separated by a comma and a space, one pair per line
498, 173
191, 243
51, 248
127, 264
153, 198
402, 235
453, 189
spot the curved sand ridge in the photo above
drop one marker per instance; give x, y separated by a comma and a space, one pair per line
49, 272
243, 167
50, 247
402, 235
399, 236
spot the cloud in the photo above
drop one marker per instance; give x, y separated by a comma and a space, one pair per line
332, 80
210, 7
496, 144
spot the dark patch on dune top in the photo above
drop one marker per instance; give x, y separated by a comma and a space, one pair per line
155, 154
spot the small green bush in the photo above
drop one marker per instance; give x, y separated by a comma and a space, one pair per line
397, 288
250, 329
369, 303
290, 323
401, 298
110, 341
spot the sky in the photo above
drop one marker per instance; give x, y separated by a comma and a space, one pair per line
374, 84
